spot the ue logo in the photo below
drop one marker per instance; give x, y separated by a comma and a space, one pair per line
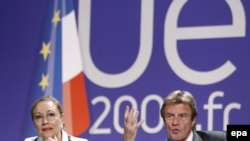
97, 76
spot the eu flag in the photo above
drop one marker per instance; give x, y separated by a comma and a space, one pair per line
58, 70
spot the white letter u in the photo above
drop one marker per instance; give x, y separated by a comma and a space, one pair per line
137, 68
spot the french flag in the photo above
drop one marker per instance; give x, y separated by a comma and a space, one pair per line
75, 101
58, 70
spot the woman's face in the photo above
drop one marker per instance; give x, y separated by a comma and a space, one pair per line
47, 119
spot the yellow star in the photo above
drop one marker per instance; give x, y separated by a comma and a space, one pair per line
45, 51
56, 17
44, 82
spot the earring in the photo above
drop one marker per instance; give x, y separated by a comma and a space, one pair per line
62, 125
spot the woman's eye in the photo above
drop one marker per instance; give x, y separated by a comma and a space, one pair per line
38, 117
51, 114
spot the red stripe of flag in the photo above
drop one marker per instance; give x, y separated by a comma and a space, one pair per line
76, 105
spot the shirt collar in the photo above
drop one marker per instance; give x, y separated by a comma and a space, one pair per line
190, 137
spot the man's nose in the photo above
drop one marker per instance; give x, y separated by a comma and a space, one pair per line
175, 121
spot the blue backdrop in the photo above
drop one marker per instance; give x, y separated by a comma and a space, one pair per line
135, 53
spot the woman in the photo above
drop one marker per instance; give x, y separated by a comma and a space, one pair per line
47, 115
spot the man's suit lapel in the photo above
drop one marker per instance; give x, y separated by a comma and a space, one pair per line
196, 137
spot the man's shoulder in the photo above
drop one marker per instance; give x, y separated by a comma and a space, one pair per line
212, 135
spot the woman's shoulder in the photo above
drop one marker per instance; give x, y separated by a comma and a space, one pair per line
72, 138
30, 138
77, 139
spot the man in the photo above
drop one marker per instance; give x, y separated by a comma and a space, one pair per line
179, 113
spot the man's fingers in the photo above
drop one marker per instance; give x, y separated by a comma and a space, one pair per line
126, 112
136, 114
131, 112
140, 123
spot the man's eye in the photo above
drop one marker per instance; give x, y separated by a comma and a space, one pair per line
183, 115
169, 116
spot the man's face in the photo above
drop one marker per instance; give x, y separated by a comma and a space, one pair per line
178, 121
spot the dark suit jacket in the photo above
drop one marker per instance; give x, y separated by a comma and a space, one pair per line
209, 136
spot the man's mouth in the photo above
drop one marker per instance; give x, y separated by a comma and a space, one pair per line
175, 131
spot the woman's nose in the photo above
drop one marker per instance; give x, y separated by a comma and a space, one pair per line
45, 120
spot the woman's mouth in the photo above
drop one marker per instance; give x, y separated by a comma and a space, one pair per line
47, 129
